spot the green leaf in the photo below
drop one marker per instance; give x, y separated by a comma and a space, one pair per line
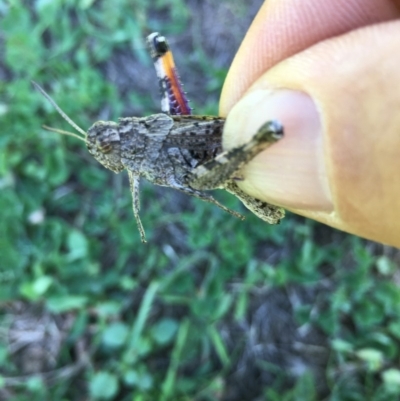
115, 335
42, 284
373, 357
103, 385
219, 345
164, 330
77, 245
394, 328
224, 303
131, 378
35, 384
58, 304
384, 265
37, 288
341, 345
85, 4
391, 380
108, 308
145, 382
391, 376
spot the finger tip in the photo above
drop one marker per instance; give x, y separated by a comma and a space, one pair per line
291, 173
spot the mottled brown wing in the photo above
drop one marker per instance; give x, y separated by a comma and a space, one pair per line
197, 133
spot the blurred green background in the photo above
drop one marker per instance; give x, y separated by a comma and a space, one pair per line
212, 308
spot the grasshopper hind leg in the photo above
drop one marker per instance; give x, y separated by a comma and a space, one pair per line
222, 170
203, 196
265, 211
216, 172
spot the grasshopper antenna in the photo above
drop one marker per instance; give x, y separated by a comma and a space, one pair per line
62, 132
63, 115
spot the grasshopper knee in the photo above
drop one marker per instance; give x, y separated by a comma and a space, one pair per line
271, 131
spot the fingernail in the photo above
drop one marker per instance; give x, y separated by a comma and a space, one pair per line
292, 172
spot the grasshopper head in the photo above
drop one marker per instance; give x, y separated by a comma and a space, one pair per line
104, 144
102, 139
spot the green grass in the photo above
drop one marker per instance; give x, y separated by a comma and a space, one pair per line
212, 308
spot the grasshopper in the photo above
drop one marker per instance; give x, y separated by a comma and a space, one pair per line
175, 148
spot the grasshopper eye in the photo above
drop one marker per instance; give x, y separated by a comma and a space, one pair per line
103, 146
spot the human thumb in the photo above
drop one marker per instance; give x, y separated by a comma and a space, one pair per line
339, 161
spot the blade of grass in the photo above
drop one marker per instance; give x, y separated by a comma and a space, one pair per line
169, 382
143, 313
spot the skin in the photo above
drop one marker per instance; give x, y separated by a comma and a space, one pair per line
329, 71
